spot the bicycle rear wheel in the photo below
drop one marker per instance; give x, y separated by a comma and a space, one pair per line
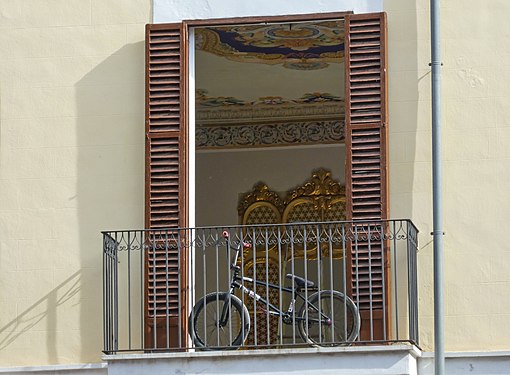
208, 331
329, 318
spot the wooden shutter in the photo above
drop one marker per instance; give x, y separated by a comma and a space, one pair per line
165, 188
366, 167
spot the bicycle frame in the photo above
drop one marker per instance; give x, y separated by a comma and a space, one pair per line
237, 282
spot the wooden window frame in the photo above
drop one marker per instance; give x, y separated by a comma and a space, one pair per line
183, 215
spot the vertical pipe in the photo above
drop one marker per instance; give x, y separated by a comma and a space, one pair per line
437, 198
129, 287
116, 295
167, 294
142, 286
105, 317
395, 277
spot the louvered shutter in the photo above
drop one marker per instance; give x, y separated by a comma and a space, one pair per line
165, 190
366, 168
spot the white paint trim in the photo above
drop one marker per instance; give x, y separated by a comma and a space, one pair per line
413, 350
476, 363
178, 10
191, 163
55, 368
504, 353
191, 127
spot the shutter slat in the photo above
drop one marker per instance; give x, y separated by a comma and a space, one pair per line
164, 170
366, 134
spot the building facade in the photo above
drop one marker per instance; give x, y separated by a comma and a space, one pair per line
72, 141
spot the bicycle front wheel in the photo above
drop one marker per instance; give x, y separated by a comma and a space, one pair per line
219, 321
329, 318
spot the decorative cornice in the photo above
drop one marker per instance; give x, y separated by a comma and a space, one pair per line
259, 193
261, 113
321, 187
264, 135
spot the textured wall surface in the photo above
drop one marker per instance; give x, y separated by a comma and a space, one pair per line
71, 160
475, 42
177, 10
71, 164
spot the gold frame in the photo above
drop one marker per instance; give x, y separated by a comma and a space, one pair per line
323, 192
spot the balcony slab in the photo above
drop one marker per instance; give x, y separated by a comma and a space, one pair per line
397, 359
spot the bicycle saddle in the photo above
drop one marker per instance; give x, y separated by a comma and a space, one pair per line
300, 282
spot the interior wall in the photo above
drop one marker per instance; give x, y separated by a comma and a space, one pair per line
250, 81
222, 176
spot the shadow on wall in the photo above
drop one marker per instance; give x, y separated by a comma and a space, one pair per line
403, 108
45, 309
109, 154
410, 169
110, 110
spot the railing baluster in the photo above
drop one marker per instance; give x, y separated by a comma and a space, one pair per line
280, 282
142, 287
370, 285
268, 322
292, 285
344, 278
318, 261
395, 279
129, 286
331, 286
383, 273
203, 252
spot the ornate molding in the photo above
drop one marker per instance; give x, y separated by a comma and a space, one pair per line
263, 135
321, 187
263, 113
227, 110
260, 192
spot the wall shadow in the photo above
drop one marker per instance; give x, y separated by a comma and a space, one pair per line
46, 308
409, 150
110, 158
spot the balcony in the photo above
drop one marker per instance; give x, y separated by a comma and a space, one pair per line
319, 285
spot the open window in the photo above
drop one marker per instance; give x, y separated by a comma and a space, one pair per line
366, 177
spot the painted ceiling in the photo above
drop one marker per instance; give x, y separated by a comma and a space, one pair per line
300, 46
269, 85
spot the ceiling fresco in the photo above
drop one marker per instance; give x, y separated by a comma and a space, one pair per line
301, 46
204, 100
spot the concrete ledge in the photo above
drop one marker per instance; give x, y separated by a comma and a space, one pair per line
475, 363
82, 369
267, 352
397, 359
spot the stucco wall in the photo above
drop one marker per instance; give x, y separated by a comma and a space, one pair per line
71, 159
71, 164
476, 129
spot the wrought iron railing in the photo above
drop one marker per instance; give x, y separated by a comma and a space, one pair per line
168, 290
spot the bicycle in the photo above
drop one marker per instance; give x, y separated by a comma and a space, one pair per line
326, 317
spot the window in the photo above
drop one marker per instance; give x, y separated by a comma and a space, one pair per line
365, 139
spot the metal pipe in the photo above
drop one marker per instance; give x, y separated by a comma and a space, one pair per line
437, 184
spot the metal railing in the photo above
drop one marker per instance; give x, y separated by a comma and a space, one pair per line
226, 287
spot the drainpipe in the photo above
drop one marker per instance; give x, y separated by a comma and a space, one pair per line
437, 195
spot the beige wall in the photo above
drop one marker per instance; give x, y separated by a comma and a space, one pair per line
71, 164
476, 130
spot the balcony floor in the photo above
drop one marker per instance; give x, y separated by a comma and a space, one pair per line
396, 359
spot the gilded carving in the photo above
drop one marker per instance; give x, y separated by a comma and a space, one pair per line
321, 187
260, 193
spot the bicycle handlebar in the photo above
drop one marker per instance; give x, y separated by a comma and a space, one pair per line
226, 235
